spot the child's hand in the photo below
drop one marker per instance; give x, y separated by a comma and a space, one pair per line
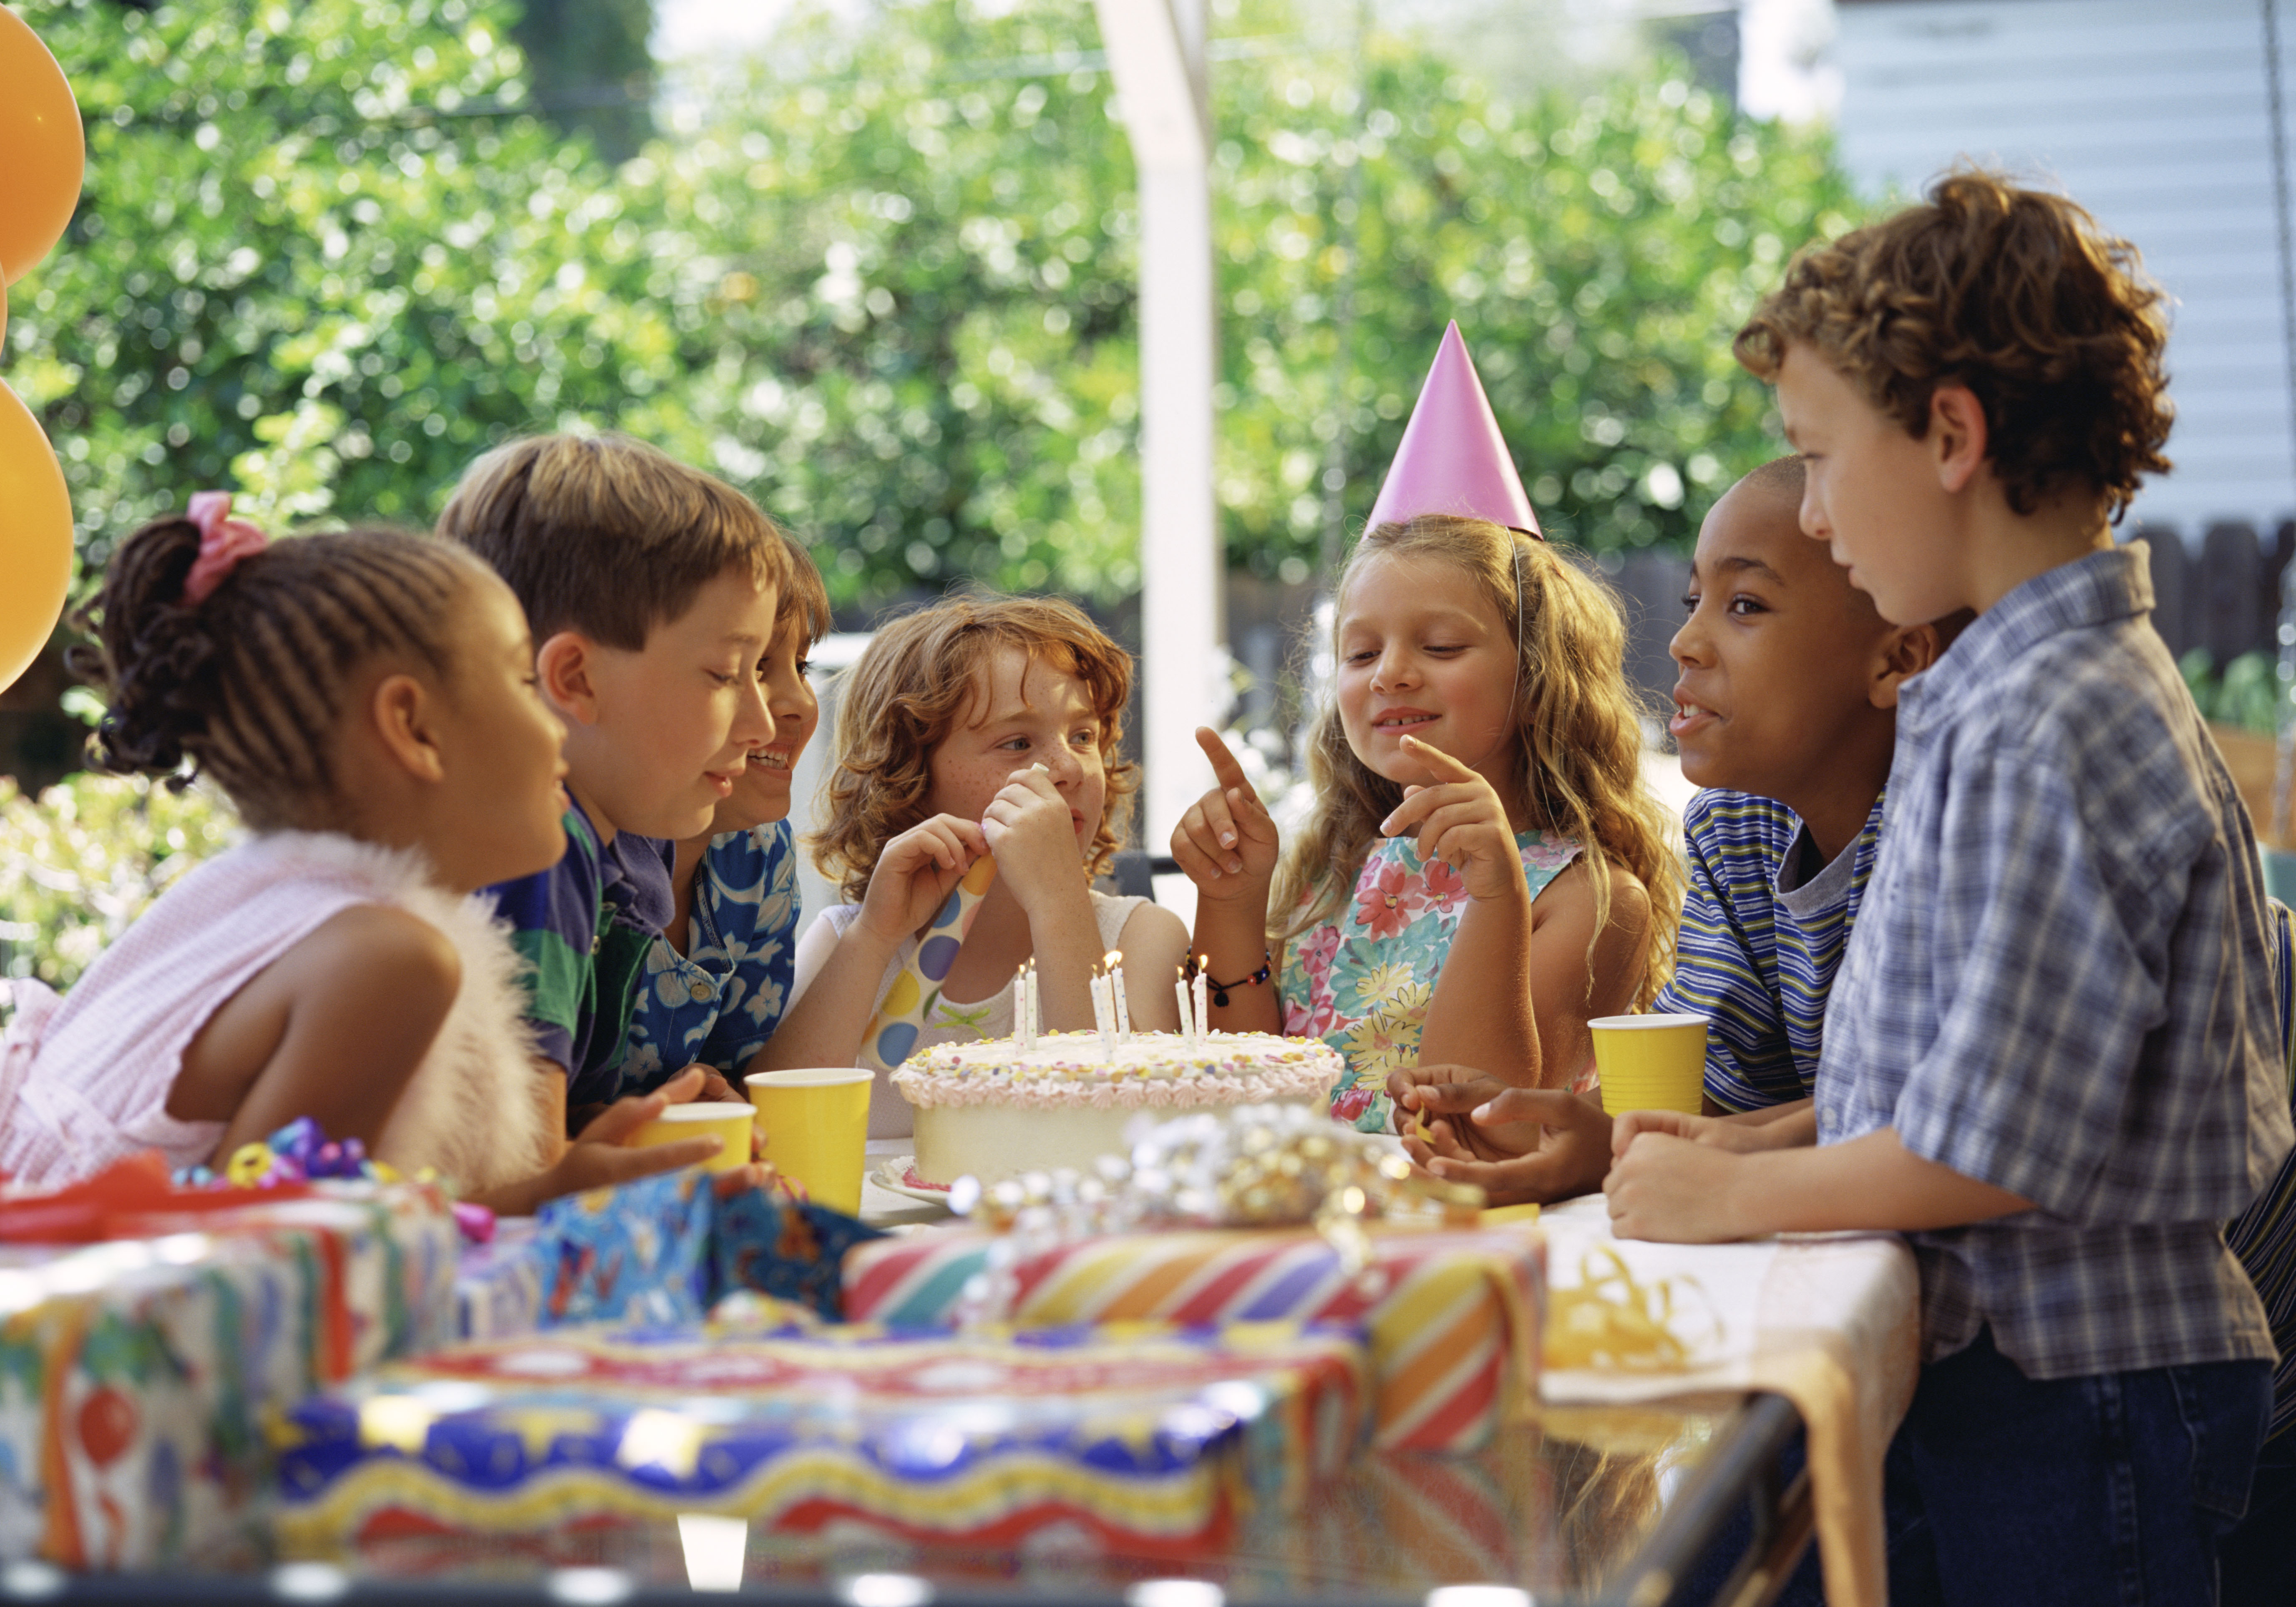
1517, 1144
1709, 1130
1227, 842
1672, 1189
598, 1158
1460, 821
1032, 831
714, 1089
916, 875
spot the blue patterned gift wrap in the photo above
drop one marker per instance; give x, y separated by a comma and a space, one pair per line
1155, 1443
658, 1251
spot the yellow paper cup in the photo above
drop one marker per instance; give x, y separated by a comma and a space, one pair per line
1650, 1063
730, 1124
816, 1122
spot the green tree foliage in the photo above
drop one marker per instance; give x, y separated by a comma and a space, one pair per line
325, 255
882, 278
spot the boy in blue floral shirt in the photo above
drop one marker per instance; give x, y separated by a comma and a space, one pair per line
2051, 1052
717, 978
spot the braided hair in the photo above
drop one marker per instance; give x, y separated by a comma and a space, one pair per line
249, 685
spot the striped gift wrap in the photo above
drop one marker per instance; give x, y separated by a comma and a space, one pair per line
1450, 1317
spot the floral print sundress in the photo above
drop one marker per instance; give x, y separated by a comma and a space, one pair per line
1361, 983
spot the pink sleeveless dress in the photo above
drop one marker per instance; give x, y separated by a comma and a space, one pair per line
84, 1078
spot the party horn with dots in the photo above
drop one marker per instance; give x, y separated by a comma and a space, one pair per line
893, 1033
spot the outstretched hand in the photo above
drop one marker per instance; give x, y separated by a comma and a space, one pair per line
1461, 820
598, 1157
915, 873
1227, 842
1518, 1144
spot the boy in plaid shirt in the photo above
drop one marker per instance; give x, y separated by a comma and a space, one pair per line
2050, 1054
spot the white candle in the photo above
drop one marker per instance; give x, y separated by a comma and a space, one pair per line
1103, 1018
1115, 1001
1203, 996
1187, 1008
1021, 1004
1036, 1004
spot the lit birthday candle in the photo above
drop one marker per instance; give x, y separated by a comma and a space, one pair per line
1187, 1005
1122, 1011
1036, 1004
1021, 1004
1203, 998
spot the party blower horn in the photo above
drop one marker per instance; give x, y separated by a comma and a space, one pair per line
893, 1033
1453, 459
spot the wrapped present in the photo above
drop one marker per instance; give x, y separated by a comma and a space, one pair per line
1151, 1442
1451, 1317
658, 1251
135, 1374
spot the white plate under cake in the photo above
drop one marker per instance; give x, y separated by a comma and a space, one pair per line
993, 1110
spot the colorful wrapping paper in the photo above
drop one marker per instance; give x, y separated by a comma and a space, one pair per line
134, 1374
1450, 1317
1152, 1443
658, 1251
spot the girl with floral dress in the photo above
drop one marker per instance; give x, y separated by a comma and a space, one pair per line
719, 978
1483, 871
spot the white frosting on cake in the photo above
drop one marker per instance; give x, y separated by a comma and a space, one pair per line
993, 1111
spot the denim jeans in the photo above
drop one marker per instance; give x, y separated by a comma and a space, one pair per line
2113, 1488
2259, 1556
2106, 1491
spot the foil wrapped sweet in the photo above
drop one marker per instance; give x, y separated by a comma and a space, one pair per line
1254, 1166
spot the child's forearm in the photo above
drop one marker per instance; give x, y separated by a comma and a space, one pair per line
824, 1024
1480, 1014
1233, 937
1064, 939
1874, 1183
1801, 1112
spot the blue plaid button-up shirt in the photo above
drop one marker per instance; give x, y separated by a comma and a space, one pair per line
2059, 985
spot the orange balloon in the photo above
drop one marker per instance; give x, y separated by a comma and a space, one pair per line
40, 130
35, 538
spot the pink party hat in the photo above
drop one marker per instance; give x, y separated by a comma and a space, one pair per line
1453, 459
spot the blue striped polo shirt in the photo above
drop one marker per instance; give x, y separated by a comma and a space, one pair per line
1759, 943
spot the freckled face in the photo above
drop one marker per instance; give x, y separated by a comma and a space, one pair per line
1028, 713
1423, 652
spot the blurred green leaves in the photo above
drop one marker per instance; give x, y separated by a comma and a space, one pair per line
882, 278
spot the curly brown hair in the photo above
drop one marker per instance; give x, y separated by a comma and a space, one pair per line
1576, 718
249, 685
919, 675
2018, 294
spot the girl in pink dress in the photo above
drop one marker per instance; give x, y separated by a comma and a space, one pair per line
367, 701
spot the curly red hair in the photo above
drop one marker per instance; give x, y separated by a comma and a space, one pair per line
918, 677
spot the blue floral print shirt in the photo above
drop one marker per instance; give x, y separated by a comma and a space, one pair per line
718, 1003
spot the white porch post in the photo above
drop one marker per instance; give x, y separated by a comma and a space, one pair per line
1156, 52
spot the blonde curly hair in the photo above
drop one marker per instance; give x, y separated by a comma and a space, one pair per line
922, 674
1576, 718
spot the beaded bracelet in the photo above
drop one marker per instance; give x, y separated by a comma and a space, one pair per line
1218, 989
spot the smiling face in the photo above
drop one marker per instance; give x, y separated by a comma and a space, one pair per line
1777, 657
676, 722
1874, 496
499, 746
1029, 712
761, 792
1423, 652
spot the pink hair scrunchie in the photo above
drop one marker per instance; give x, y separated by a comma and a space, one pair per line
224, 542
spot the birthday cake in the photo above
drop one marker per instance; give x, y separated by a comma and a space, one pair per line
995, 1109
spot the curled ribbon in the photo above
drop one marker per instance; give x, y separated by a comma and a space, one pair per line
224, 542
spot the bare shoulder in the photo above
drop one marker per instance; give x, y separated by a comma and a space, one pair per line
1152, 926
1569, 898
386, 947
